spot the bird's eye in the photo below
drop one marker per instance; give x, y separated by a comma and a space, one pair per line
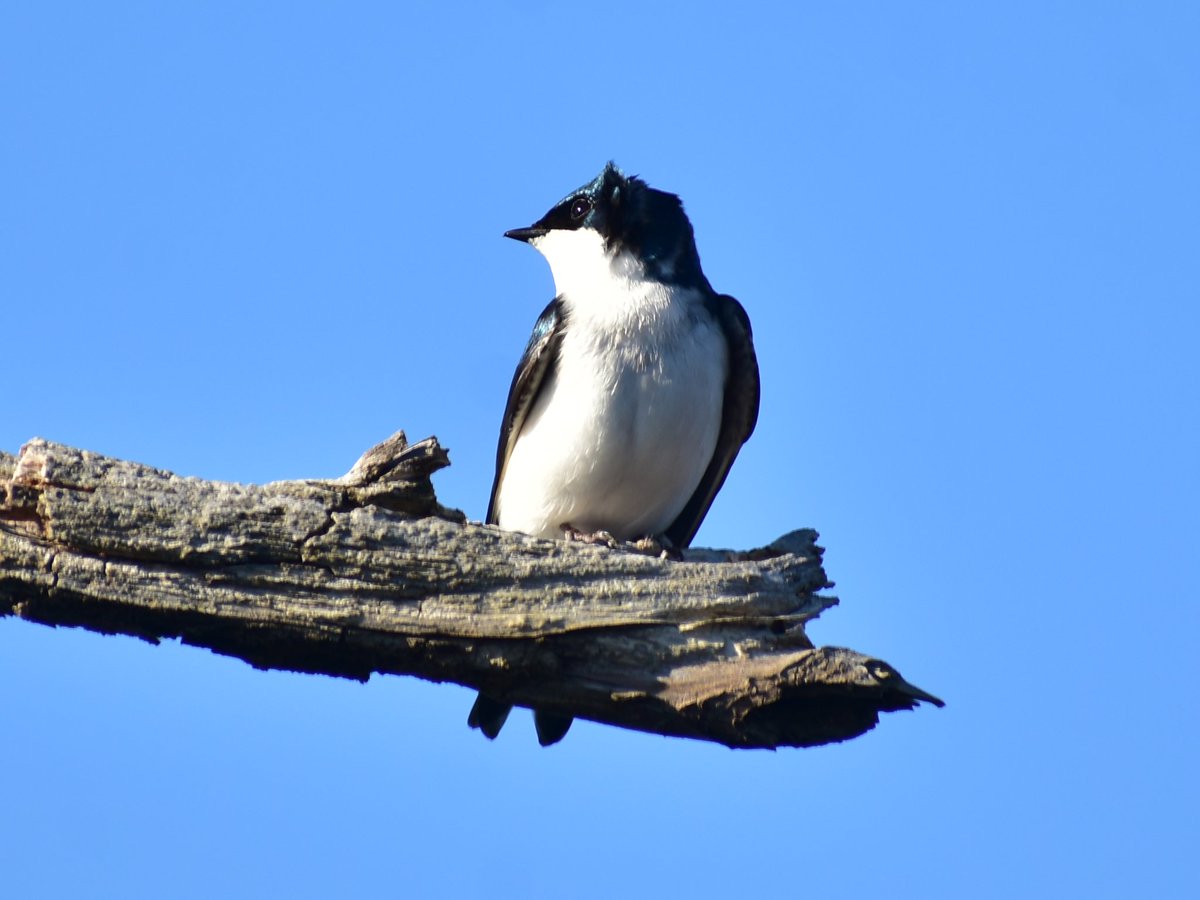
581, 207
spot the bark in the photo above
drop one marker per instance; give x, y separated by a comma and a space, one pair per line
368, 573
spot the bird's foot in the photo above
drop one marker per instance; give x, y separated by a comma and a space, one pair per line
651, 545
604, 538
658, 545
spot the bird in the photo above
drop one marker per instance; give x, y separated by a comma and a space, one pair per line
636, 390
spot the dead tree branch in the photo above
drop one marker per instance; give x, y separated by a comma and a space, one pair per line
368, 573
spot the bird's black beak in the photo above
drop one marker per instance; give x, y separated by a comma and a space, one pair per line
526, 234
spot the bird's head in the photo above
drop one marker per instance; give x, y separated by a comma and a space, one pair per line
615, 220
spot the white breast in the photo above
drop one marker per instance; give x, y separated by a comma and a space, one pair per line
625, 428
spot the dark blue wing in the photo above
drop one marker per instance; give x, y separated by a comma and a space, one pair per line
538, 361
739, 413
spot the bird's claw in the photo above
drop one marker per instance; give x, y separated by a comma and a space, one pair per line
658, 545
604, 538
651, 545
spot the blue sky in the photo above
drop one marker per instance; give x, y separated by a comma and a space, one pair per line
247, 241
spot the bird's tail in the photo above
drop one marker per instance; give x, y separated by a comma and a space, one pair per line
489, 716
551, 727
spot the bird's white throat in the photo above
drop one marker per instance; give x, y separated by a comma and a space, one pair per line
587, 273
577, 258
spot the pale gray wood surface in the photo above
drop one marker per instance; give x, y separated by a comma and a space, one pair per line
368, 573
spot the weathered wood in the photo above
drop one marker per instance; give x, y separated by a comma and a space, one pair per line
368, 573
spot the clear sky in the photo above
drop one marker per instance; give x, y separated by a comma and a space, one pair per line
246, 241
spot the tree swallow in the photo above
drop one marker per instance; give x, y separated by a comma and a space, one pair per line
637, 389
